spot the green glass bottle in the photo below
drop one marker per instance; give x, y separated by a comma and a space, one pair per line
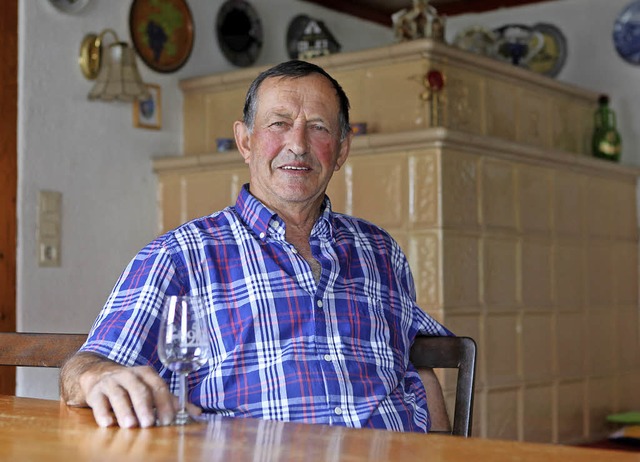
606, 142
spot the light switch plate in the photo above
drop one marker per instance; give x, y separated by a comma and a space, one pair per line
49, 228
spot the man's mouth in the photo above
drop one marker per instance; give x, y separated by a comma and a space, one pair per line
291, 167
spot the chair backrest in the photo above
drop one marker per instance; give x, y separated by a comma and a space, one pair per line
38, 350
451, 353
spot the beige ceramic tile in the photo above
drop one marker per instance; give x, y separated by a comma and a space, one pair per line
501, 117
600, 274
207, 192
538, 411
571, 412
500, 256
501, 339
534, 199
379, 189
600, 398
222, 110
566, 126
466, 325
601, 202
397, 91
569, 203
337, 191
424, 189
571, 351
170, 202
464, 102
238, 178
194, 124
424, 258
625, 273
627, 338
628, 384
498, 193
502, 414
459, 190
537, 347
601, 359
624, 216
460, 264
584, 119
536, 273
533, 118
569, 274
354, 85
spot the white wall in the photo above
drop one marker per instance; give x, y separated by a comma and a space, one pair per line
90, 152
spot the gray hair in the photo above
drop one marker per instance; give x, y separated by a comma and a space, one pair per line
295, 69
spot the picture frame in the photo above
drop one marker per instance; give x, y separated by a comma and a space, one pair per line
147, 113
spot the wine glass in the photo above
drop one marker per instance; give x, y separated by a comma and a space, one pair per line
183, 346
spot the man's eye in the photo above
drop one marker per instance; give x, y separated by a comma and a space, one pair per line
319, 128
278, 124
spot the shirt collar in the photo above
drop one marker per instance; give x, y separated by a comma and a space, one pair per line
265, 222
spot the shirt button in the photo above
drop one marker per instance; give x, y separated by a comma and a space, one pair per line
294, 250
338, 410
327, 357
319, 303
262, 235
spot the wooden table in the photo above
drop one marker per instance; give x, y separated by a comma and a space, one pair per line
33, 429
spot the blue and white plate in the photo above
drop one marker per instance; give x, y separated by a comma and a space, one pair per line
626, 33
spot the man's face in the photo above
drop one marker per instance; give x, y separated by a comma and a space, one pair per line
295, 146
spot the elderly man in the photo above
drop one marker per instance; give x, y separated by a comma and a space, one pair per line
312, 313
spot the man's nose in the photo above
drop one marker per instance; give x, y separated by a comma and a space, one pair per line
298, 141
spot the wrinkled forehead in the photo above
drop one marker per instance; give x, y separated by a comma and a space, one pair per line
313, 87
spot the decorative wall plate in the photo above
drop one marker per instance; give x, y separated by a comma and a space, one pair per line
477, 40
550, 59
626, 33
162, 33
239, 32
69, 6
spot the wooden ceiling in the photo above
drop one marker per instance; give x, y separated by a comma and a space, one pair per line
380, 11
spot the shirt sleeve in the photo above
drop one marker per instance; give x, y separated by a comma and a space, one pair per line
126, 329
423, 323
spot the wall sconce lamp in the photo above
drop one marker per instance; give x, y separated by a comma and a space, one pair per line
115, 71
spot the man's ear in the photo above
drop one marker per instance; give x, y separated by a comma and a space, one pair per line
345, 147
243, 140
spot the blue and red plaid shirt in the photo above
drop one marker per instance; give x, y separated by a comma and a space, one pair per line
283, 346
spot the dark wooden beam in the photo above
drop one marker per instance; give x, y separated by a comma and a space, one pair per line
356, 9
382, 14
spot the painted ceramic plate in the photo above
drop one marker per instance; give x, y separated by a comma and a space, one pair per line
551, 58
626, 33
162, 33
476, 40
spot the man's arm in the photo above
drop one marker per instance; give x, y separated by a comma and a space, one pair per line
435, 401
127, 396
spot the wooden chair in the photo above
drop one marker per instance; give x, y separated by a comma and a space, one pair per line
38, 350
451, 353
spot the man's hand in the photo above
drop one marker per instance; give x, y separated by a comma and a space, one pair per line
126, 396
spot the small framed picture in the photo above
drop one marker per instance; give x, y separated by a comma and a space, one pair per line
147, 113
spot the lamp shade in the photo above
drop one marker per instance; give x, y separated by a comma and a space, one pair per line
119, 78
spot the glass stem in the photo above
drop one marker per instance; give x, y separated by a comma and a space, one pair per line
182, 415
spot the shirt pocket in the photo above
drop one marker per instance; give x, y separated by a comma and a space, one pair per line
368, 330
